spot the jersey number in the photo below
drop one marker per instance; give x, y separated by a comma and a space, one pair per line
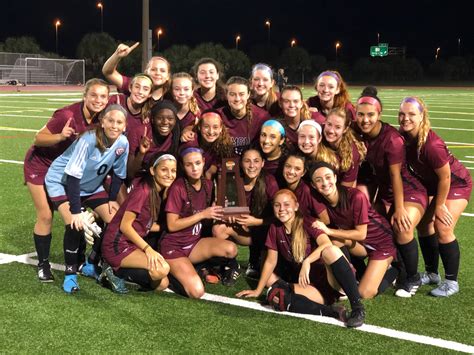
102, 169
197, 228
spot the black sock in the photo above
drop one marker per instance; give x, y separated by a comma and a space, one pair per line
409, 253
345, 251
81, 252
138, 276
95, 254
346, 279
254, 254
176, 286
430, 250
72, 239
302, 304
359, 265
390, 276
42, 245
450, 256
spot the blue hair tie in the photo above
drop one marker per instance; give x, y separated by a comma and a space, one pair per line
275, 124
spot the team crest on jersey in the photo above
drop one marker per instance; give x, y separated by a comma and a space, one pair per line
119, 151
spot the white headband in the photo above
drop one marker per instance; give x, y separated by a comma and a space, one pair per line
164, 157
311, 123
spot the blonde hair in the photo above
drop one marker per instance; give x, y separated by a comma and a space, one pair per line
425, 124
166, 86
305, 113
298, 234
344, 150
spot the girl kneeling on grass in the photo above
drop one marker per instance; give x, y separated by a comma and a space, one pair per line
76, 177
125, 246
187, 206
355, 222
294, 267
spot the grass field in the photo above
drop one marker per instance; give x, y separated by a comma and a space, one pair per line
41, 318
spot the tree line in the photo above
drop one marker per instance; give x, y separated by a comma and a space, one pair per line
300, 65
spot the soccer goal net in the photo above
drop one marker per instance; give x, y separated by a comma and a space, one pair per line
46, 71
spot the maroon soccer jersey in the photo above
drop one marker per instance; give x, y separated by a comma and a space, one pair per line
379, 233
115, 245
190, 119
351, 174
186, 203
271, 188
279, 240
314, 101
274, 167
242, 132
210, 157
309, 205
38, 159
433, 155
274, 109
388, 148
124, 89
203, 105
162, 144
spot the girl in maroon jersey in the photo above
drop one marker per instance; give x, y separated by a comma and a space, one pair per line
331, 93
160, 135
50, 142
309, 143
449, 186
249, 229
349, 150
182, 85
210, 94
187, 207
294, 170
213, 138
293, 111
401, 197
136, 103
297, 254
363, 230
262, 89
158, 68
242, 118
126, 243
272, 144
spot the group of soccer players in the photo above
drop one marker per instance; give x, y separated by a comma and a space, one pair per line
335, 194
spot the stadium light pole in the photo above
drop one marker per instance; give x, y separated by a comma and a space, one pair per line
437, 53
237, 40
293, 42
101, 7
269, 25
56, 25
159, 32
378, 38
459, 46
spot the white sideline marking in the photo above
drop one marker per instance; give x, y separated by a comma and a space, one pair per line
467, 214
458, 143
467, 161
17, 129
391, 333
470, 156
454, 129
24, 116
11, 161
43, 94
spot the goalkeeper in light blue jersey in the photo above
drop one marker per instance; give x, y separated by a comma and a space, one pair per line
76, 178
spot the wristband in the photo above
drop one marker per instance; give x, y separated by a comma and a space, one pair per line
145, 248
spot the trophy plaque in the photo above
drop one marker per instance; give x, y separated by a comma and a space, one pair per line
230, 189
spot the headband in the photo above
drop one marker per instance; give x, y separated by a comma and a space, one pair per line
370, 100
188, 150
163, 157
275, 124
329, 73
143, 76
116, 107
264, 67
320, 164
412, 100
311, 123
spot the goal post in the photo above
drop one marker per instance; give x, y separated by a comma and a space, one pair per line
48, 71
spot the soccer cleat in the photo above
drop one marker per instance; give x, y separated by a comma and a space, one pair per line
341, 312
445, 289
88, 270
356, 318
409, 287
252, 272
230, 276
44, 273
70, 284
116, 284
429, 278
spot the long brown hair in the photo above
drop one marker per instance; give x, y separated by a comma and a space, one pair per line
259, 191
222, 146
242, 81
342, 98
305, 113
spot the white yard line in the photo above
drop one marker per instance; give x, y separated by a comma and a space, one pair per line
15, 129
42, 94
373, 329
11, 161
24, 116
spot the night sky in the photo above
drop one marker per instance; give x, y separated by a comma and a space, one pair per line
420, 25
